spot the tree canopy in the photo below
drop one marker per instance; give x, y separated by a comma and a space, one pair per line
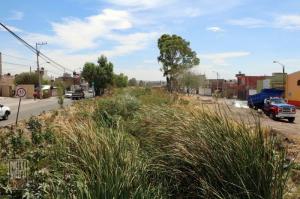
132, 82
120, 80
27, 78
100, 74
191, 80
176, 57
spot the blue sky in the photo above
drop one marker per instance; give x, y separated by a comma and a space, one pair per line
228, 35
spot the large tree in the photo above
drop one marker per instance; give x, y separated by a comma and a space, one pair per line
100, 74
176, 57
27, 78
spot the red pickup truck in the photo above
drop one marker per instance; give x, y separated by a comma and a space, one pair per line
277, 108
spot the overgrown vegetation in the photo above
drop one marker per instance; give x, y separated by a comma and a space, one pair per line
143, 143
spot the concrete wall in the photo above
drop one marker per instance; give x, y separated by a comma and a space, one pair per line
29, 90
6, 91
7, 85
293, 88
205, 91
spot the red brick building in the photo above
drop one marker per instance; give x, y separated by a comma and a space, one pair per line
246, 83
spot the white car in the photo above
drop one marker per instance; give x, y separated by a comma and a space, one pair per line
4, 112
68, 94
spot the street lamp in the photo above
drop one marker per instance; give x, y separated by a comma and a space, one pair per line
283, 72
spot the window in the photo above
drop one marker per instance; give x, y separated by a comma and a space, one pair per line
298, 82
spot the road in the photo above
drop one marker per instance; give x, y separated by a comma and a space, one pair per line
28, 108
289, 129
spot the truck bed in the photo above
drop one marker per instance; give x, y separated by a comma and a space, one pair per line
257, 101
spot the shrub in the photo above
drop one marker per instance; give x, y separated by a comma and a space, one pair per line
110, 112
19, 143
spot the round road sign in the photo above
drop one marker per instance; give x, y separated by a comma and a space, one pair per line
21, 92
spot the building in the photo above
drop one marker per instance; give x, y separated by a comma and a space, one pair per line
293, 88
68, 81
7, 85
215, 84
277, 81
229, 89
247, 85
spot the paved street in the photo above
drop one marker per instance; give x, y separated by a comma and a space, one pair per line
29, 107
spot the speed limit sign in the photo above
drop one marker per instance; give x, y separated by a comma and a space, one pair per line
21, 92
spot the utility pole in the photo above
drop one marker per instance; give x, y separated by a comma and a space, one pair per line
38, 67
0, 65
217, 80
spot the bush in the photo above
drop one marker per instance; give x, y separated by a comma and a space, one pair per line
110, 112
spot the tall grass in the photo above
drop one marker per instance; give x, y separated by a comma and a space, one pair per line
100, 163
143, 144
207, 155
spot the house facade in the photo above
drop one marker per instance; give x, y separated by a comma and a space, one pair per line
292, 87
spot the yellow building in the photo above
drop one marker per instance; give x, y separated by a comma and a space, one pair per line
293, 88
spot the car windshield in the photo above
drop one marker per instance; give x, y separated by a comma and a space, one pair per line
277, 101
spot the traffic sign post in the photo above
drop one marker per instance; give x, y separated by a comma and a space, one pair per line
21, 92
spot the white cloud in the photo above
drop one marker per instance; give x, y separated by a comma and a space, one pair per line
248, 22
178, 8
16, 15
81, 34
130, 43
215, 29
143, 73
291, 22
220, 58
75, 34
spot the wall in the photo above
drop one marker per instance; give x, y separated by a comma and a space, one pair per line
246, 83
29, 90
7, 85
293, 89
6, 91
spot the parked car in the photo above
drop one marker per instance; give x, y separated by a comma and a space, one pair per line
77, 94
4, 112
277, 108
68, 94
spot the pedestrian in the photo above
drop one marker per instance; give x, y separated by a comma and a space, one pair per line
34, 94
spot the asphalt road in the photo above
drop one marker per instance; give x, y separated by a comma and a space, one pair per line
28, 108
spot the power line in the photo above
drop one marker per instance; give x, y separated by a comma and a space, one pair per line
22, 58
31, 48
11, 63
31, 61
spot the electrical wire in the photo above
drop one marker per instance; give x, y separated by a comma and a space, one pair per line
11, 63
16, 57
31, 48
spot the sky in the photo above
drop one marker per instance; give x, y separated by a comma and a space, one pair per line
228, 35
